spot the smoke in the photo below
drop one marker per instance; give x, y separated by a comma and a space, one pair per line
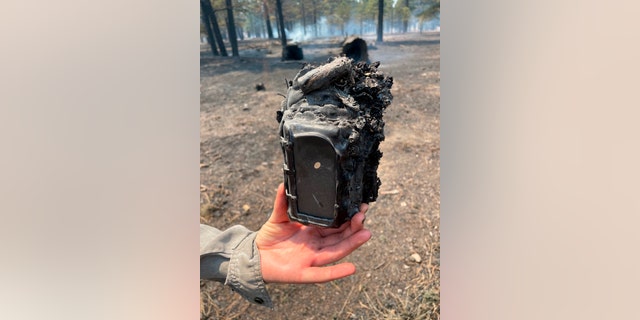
325, 28
298, 33
431, 25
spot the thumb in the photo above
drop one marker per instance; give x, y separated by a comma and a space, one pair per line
280, 206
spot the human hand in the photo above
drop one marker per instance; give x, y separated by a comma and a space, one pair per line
291, 252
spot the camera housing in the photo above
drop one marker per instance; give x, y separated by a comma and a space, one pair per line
330, 131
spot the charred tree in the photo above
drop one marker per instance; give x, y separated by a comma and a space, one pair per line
405, 19
304, 18
356, 49
380, 19
277, 23
315, 15
292, 52
208, 11
207, 24
267, 19
231, 28
240, 32
283, 37
289, 52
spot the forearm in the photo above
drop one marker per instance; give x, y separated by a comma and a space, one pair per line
232, 257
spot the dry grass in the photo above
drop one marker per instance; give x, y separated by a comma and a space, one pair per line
419, 300
417, 304
210, 309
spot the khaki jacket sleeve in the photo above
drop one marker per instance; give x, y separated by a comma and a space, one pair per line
232, 257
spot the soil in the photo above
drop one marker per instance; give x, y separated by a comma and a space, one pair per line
241, 166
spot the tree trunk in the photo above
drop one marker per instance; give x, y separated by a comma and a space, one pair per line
304, 19
390, 23
207, 24
283, 37
231, 27
315, 20
380, 19
214, 24
240, 33
265, 8
405, 20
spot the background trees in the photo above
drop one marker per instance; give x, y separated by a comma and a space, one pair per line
305, 19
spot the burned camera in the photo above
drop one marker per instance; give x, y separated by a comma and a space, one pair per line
330, 130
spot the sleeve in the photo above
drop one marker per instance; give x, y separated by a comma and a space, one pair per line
232, 257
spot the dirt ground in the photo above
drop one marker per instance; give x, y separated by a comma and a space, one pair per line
398, 270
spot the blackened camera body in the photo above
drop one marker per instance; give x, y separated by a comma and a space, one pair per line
330, 130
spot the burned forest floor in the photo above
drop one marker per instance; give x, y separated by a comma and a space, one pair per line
398, 270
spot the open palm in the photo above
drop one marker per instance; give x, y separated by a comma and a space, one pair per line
294, 253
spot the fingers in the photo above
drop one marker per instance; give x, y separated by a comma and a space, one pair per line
364, 207
280, 205
342, 248
329, 231
326, 274
356, 224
